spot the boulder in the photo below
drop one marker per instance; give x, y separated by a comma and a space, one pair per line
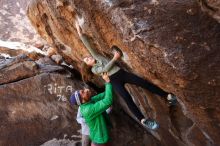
173, 44
34, 103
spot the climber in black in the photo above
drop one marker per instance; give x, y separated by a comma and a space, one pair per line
98, 64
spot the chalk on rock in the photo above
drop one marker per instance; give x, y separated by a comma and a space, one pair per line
54, 117
80, 21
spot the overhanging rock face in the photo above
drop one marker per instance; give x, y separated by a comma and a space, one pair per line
174, 44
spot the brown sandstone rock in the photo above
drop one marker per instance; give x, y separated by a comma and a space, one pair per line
212, 7
34, 105
10, 52
171, 43
15, 25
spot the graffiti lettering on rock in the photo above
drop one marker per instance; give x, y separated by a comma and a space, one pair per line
59, 90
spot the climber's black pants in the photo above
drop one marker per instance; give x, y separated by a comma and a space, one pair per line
121, 77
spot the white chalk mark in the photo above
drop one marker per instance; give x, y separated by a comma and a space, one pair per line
54, 117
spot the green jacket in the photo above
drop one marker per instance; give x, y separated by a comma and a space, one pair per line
102, 64
94, 111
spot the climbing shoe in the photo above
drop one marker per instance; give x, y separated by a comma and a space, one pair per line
150, 124
171, 99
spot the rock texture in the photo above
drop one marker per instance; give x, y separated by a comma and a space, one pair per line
10, 53
32, 111
15, 25
174, 44
34, 107
212, 7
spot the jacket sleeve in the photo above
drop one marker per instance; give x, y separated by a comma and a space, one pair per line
89, 47
106, 68
98, 97
79, 117
109, 65
100, 106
